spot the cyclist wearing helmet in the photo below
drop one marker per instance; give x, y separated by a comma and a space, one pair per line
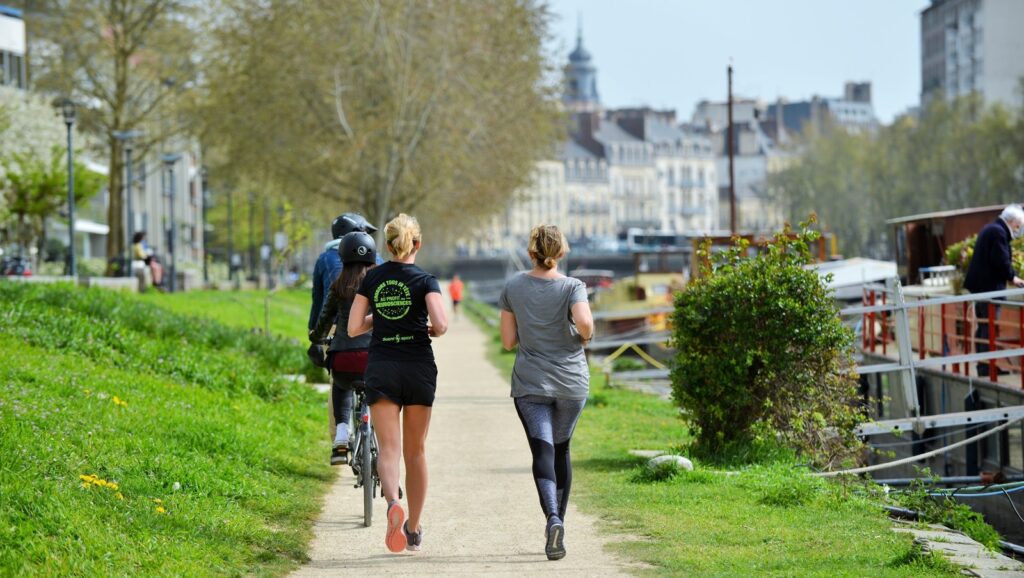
346, 357
328, 264
328, 268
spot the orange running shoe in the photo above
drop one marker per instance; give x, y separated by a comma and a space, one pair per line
395, 538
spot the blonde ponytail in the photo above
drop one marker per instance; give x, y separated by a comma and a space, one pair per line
547, 246
402, 233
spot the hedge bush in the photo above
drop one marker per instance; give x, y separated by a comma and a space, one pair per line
762, 354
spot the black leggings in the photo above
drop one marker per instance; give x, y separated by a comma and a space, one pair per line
549, 423
341, 395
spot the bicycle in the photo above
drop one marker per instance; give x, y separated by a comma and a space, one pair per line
363, 451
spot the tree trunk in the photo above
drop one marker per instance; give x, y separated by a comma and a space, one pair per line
116, 247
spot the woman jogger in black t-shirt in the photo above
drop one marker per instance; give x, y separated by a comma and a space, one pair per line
400, 376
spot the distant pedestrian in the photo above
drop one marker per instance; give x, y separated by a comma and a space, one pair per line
991, 268
142, 252
548, 316
401, 376
455, 288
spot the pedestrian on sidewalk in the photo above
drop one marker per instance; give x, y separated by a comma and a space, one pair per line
346, 356
991, 268
548, 316
396, 300
325, 272
455, 288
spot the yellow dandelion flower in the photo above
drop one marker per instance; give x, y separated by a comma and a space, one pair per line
119, 495
157, 501
119, 401
160, 510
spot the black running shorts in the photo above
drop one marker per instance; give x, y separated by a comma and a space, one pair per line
403, 382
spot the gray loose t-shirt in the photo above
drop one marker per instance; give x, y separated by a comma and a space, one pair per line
550, 361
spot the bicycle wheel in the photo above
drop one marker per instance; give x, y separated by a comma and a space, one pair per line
366, 473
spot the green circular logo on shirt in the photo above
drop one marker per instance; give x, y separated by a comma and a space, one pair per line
392, 299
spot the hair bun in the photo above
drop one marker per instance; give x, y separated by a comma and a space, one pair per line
549, 262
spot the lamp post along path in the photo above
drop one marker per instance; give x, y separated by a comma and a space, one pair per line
68, 110
126, 136
169, 161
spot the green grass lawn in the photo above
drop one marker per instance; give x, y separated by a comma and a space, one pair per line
286, 313
138, 441
286, 310
771, 520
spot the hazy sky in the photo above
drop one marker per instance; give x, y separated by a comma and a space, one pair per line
673, 53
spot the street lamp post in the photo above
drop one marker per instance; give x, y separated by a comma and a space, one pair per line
252, 242
67, 107
126, 136
266, 251
206, 201
169, 161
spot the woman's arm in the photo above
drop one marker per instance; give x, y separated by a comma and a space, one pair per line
435, 311
584, 320
359, 319
327, 316
509, 330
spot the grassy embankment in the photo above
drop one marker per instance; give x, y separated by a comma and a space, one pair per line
138, 441
772, 519
288, 309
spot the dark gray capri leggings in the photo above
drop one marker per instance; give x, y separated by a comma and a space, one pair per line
549, 423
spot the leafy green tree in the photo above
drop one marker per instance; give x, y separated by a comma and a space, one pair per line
125, 62
35, 189
440, 109
957, 154
763, 356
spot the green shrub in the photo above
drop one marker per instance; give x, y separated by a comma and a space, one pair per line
762, 354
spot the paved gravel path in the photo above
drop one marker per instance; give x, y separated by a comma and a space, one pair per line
482, 515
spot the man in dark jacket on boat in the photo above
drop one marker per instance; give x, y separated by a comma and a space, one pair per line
991, 268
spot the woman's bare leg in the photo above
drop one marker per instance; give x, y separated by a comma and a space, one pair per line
416, 422
389, 439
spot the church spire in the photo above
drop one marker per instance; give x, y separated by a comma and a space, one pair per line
580, 76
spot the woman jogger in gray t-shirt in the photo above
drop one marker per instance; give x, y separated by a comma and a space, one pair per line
548, 316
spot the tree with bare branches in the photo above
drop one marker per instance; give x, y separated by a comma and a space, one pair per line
124, 62
434, 107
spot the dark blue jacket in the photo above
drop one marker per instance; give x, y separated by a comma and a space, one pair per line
328, 267
326, 270
991, 267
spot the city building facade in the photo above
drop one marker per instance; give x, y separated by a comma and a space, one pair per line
12, 48
973, 46
618, 170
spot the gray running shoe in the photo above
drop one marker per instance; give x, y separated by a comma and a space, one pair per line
415, 539
554, 547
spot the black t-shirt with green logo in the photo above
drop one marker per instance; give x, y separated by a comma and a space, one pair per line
398, 300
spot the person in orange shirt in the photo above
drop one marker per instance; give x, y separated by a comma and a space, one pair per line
455, 288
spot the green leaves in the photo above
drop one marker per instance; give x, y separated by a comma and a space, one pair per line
762, 349
955, 154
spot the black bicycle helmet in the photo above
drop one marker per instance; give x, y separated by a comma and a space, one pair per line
358, 247
348, 222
